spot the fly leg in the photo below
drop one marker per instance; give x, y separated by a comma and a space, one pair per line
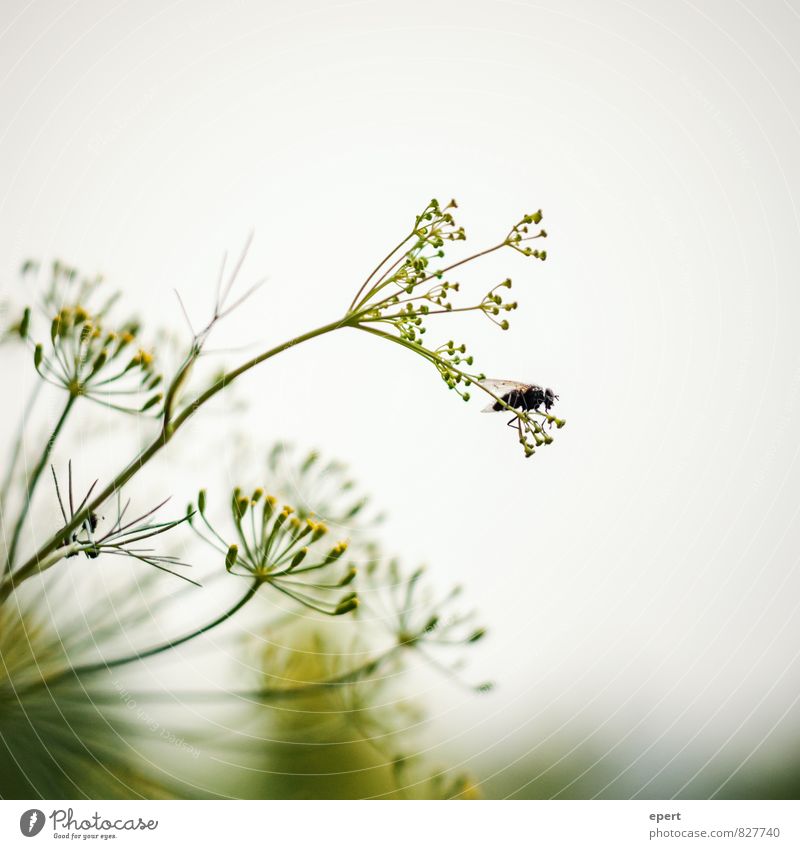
517, 421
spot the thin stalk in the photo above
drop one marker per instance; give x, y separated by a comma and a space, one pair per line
264, 694
230, 376
33, 481
31, 566
87, 669
17, 447
433, 358
377, 268
463, 261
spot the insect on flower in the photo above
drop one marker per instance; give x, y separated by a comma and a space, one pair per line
528, 398
521, 396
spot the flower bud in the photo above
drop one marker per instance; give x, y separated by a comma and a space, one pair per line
348, 577
99, 362
25, 323
152, 402
431, 624
298, 558
337, 551
348, 603
319, 529
269, 507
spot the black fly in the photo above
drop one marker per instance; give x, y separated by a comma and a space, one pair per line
528, 397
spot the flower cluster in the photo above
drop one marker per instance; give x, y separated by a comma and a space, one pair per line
416, 617
532, 431
411, 284
432, 228
102, 365
319, 487
522, 232
275, 546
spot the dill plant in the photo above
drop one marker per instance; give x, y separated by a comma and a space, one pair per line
287, 551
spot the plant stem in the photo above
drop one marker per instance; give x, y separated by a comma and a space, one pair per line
266, 693
434, 358
78, 671
31, 566
17, 448
34, 479
230, 376
377, 268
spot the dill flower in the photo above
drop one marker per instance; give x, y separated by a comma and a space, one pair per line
341, 735
320, 487
418, 618
412, 284
87, 354
103, 365
274, 546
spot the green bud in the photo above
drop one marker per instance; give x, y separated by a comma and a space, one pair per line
38, 354
25, 323
319, 529
231, 556
349, 577
298, 558
477, 635
347, 604
99, 362
152, 402
201, 501
337, 551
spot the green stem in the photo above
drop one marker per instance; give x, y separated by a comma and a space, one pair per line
433, 358
33, 481
16, 451
78, 671
230, 376
377, 268
268, 693
31, 566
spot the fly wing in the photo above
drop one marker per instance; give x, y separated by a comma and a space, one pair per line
501, 388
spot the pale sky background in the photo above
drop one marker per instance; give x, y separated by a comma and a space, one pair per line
639, 576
